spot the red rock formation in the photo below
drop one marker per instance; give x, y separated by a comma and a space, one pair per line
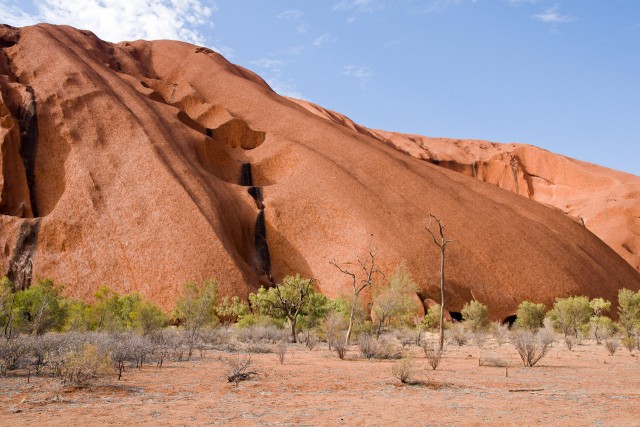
146, 164
605, 201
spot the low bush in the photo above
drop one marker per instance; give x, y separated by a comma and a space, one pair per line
475, 315
612, 345
432, 352
404, 370
531, 346
457, 334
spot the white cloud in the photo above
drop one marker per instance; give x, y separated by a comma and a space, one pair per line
284, 87
12, 14
520, 2
118, 20
367, 6
322, 40
362, 73
290, 14
553, 17
269, 63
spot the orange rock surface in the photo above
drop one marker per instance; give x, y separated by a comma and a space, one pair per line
146, 164
605, 201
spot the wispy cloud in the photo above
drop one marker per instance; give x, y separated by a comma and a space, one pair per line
362, 73
118, 20
269, 63
367, 6
552, 16
437, 6
284, 86
322, 40
290, 14
519, 2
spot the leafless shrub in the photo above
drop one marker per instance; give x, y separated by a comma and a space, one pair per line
366, 344
281, 350
493, 362
457, 334
371, 348
341, 348
239, 369
500, 333
261, 334
570, 341
479, 338
432, 352
408, 337
630, 343
531, 346
12, 353
612, 345
259, 349
403, 370
334, 328
310, 340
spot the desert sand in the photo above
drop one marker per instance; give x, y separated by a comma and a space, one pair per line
585, 386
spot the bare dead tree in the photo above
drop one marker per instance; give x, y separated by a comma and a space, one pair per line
441, 242
368, 270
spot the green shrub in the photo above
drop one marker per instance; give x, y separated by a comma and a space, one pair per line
294, 299
629, 310
39, 308
475, 315
530, 315
570, 314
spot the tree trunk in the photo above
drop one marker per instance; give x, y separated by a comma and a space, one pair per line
348, 337
442, 299
293, 330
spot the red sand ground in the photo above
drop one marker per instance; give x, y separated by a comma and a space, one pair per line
585, 386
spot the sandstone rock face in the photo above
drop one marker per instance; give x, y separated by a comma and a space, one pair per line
146, 164
605, 201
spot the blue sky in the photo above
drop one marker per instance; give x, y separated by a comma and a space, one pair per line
562, 75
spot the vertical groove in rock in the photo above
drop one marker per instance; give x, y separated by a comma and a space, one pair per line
21, 264
262, 248
28, 123
246, 178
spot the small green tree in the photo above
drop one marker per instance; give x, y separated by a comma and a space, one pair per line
394, 302
147, 317
6, 305
570, 315
600, 306
291, 299
602, 328
232, 309
629, 310
431, 318
196, 309
78, 316
106, 313
39, 308
476, 315
531, 315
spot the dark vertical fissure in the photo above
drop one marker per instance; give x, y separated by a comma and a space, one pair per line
246, 178
256, 193
263, 259
21, 264
28, 124
262, 248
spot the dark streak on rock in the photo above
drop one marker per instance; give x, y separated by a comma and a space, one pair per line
21, 264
